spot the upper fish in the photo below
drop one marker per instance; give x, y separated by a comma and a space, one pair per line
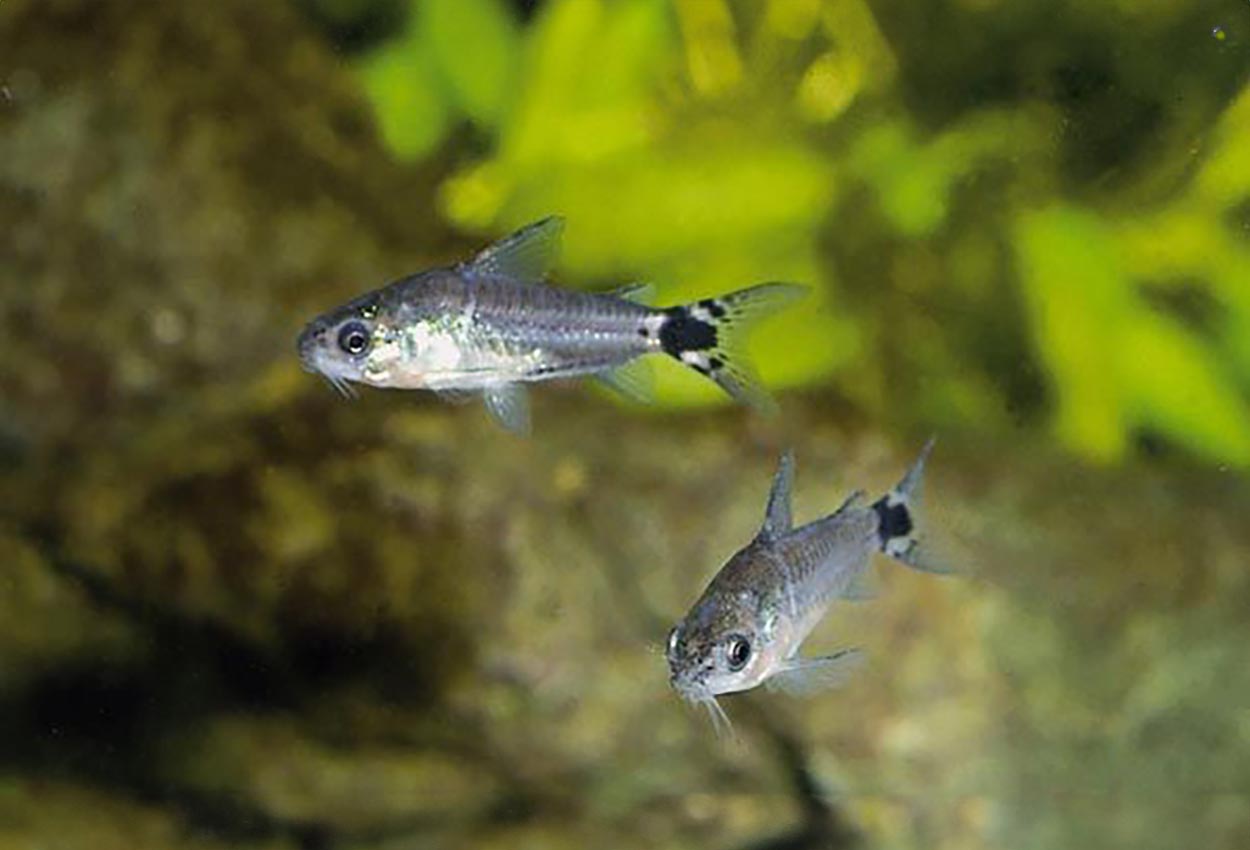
491, 325
747, 627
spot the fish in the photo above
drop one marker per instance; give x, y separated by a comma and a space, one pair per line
491, 325
747, 627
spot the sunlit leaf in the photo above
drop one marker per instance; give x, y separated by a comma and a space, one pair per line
1177, 387
1117, 365
1074, 294
557, 60
475, 47
408, 104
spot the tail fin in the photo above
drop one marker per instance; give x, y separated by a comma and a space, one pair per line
898, 528
709, 336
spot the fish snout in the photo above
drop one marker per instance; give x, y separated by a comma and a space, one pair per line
685, 684
310, 343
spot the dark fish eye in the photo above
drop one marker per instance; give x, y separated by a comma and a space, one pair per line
354, 338
739, 652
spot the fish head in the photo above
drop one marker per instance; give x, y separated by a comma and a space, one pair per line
734, 636
349, 344
704, 664
718, 649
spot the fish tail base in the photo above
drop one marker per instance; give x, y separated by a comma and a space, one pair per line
710, 336
899, 531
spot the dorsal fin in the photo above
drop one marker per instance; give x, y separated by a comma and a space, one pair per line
777, 519
855, 500
639, 293
527, 254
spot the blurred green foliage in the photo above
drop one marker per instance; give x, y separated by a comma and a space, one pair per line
706, 144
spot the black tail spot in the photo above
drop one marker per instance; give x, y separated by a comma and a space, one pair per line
683, 332
893, 521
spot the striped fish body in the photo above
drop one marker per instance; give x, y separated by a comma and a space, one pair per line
492, 325
457, 331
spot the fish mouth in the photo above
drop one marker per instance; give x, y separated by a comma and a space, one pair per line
307, 345
310, 345
698, 693
691, 691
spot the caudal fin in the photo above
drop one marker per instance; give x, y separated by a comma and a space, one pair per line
899, 528
709, 336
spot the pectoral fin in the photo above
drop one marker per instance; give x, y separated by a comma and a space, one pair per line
509, 404
455, 396
800, 676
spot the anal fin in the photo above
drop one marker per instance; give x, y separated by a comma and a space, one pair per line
633, 380
862, 587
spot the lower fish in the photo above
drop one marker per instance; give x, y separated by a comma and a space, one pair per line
491, 325
747, 627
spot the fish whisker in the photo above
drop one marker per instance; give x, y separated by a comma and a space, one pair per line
342, 386
333, 384
721, 723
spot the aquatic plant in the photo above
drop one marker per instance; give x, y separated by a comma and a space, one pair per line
1067, 272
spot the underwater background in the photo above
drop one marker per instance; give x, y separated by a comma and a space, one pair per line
237, 610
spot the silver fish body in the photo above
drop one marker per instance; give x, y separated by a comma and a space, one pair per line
456, 330
747, 627
491, 325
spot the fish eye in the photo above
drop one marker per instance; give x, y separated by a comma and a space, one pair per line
354, 338
739, 652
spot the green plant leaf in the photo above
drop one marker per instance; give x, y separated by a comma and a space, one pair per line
475, 47
407, 102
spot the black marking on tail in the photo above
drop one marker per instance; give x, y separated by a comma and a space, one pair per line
682, 331
713, 308
893, 520
709, 336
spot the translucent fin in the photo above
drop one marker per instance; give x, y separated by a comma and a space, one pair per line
909, 487
852, 501
863, 586
899, 526
509, 404
527, 254
456, 396
777, 520
800, 676
710, 337
639, 293
633, 380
